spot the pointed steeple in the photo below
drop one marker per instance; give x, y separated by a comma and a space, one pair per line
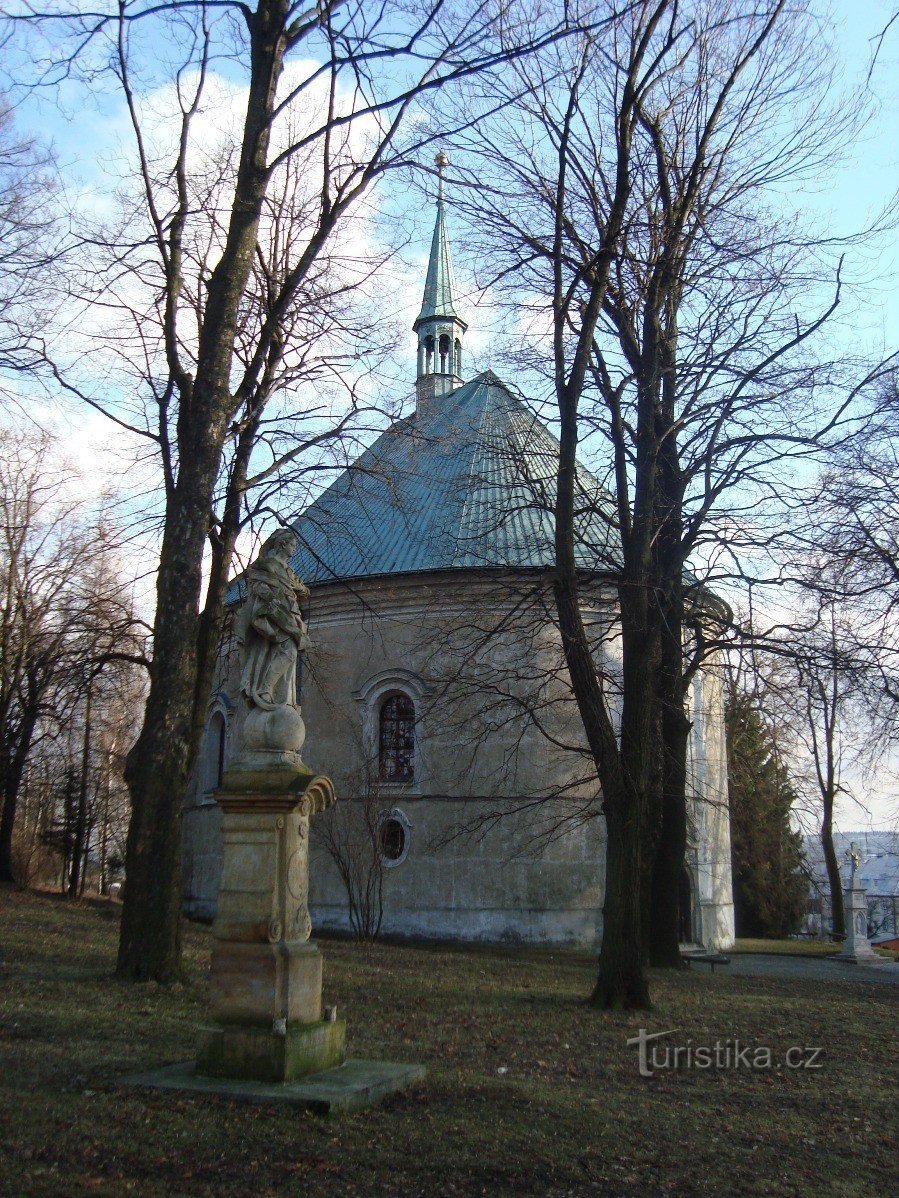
440, 329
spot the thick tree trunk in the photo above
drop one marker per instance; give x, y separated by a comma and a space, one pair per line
837, 904
670, 851
159, 764
621, 980
668, 865
7, 819
668, 604
12, 774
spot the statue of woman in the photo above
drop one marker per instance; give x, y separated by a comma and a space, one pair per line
270, 628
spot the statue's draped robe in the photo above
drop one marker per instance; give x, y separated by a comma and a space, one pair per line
272, 631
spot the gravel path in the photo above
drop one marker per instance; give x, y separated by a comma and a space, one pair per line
756, 965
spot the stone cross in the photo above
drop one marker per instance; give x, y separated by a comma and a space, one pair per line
855, 860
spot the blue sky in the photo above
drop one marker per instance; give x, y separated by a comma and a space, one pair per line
853, 196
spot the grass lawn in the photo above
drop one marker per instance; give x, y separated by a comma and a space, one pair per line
793, 948
529, 1091
801, 948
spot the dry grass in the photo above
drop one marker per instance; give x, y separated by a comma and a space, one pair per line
568, 1116
791, 948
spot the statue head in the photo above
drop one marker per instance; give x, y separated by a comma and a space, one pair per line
282, 543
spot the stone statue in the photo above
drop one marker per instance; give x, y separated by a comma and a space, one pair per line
855, 860
270, 633
271, 630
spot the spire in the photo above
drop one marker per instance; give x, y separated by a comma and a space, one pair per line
440, 284
440, 329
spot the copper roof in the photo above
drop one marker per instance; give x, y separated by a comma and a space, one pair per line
467, 482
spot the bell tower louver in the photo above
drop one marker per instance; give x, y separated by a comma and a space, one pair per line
439, 327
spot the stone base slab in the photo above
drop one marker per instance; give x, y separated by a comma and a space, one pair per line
260, 1054
860, 956
351, 1087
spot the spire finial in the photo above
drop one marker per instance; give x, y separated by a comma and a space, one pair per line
441, 161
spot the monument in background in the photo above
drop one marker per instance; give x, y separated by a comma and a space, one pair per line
856, 947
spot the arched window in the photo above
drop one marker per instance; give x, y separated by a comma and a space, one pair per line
429, 355
216, 732
396, 739
444, 354
458, 357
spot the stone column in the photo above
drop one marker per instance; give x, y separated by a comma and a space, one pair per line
266, 979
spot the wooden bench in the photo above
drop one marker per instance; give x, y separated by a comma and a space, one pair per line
710, 959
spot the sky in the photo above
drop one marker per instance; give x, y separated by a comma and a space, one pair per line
89, 132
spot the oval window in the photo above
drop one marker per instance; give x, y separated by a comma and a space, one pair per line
392, 840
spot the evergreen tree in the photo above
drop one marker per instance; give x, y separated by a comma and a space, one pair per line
769, 880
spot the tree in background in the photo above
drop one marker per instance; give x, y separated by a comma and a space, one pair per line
769, 878
854, 551
67, 617
29, 247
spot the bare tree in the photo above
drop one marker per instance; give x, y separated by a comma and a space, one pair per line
29, 245
352, 836
625, 195
42, 546
853, 552
805, 676
66, 614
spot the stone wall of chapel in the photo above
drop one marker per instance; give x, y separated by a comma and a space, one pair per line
473, 653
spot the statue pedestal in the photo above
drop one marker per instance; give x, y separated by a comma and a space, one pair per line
857, 947
266, 980
266, 1040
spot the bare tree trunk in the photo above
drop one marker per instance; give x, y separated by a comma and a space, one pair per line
668, 862
621, 981
837, 905
668, 859
12, 773
159, 765
79, 847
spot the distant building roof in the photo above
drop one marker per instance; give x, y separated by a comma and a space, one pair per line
467, 481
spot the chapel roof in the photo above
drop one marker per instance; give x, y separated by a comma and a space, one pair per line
467, 481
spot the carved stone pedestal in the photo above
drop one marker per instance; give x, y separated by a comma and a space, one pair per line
266, 980
266, 1040
856, 947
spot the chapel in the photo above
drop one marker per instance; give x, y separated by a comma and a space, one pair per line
435, 694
